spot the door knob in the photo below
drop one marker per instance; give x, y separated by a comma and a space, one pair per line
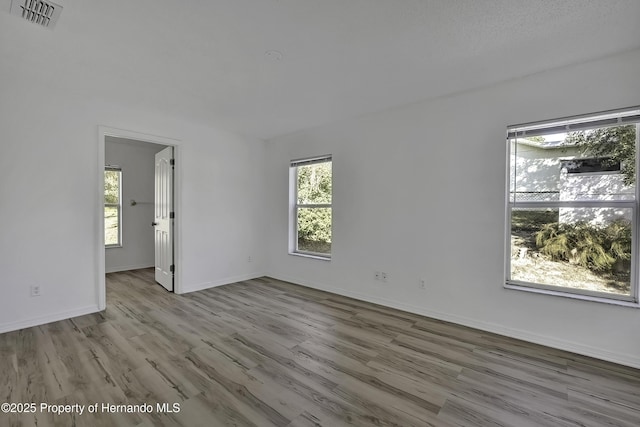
153, 224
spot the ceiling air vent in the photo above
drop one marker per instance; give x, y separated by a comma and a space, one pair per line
43, 13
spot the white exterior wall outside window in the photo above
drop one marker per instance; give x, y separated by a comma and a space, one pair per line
310, 200
572, 207
112, 207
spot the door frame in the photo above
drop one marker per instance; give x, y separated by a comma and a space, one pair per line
103, 132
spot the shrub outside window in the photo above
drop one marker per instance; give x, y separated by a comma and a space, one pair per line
311, 207
112, 207
572, 206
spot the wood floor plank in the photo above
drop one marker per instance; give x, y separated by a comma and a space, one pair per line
306, 419
230, 382
357, 368
604, 409
264, 352
463, 413
323, 399
283, 356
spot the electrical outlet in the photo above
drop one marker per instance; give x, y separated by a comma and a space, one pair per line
35, 290
249, 258
421, 284
383, 276
377, 275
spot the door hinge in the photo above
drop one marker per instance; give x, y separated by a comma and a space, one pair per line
172, 162
172, 268
172, 215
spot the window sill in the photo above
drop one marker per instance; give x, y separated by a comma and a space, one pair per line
572, 296
112, 246
310, 255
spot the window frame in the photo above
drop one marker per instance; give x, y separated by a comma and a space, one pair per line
294, 206
612, 118
617, 167
117, 206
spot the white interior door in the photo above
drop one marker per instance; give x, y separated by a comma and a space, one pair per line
163, 218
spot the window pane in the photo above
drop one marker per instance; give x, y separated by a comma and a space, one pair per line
112, 186
314, 230
595, 164
314, 184
111, 222
575, 248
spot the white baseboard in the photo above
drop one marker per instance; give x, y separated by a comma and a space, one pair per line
127, 267
219, 282
632, 360
63, 315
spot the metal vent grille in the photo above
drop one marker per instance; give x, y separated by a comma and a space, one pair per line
43, 13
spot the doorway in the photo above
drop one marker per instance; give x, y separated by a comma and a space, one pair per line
144, 224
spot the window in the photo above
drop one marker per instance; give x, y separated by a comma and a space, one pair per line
310, 215
112, 206
594, 165
572, 206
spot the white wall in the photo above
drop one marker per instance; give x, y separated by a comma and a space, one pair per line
49, 197
537, 169
419, 192
137, 162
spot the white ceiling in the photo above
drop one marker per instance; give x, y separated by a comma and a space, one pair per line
205, 59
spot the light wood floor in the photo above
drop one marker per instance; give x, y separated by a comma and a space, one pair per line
265, 352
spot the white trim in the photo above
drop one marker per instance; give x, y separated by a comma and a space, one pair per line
103, 132
220, 282
617, 117
635, 236
632, 360
128, 267
293, 199
311, 160
507, 212
584, 295
312, 255
596, 204
63, 315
